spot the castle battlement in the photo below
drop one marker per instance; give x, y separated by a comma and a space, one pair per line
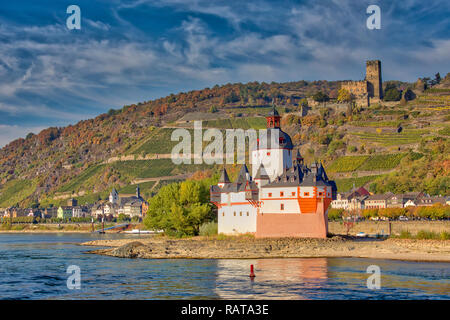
371, 86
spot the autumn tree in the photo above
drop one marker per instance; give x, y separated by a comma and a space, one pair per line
180, 208
344, 95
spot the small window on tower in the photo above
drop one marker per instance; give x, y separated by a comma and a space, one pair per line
293, 194
320, 194
223, 214
268, 153
270, 194
281, 194
282, 206
306, 194
234, 213
247, 213
240, 213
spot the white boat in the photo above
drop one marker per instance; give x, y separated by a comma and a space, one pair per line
138, 231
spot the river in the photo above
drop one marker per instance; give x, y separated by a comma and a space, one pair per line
34, 266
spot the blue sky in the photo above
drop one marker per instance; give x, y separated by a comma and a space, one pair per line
137, 50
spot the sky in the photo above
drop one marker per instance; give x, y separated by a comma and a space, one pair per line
129, 51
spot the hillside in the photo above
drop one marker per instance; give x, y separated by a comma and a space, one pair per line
361, 146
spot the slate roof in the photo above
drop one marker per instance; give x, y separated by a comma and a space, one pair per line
242, 183
261, 173
274, 112
224, 177
284, 140
301, 175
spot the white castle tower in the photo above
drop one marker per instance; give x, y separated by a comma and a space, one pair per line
275, 156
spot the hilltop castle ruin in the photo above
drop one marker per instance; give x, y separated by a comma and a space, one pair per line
370, 89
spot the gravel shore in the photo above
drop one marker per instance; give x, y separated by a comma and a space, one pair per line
250, 248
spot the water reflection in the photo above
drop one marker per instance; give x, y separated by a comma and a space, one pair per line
274, 278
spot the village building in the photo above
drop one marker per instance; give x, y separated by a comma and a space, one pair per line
400, 200
282, 197
377, 201
65, 212
352, 200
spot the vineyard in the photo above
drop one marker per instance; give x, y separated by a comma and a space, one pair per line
15, 191
366, 163
347, 163
393, 139
87, 178
159, 141
237, 123
153, 168
382, 162
344, 185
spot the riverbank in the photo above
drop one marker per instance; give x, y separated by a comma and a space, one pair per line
60, 228
334, 227
250, 248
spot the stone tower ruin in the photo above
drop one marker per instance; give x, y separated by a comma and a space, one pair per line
373, 78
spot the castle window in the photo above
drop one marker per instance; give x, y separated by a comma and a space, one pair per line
240, 213
270, 194
235, 213
282, 206
247, 213
223, 214
268, 153
320, 194
281, 194
306, 194
293, 193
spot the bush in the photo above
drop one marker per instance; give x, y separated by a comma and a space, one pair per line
320, 97
208, 229
392, 95
180, 208
335, 214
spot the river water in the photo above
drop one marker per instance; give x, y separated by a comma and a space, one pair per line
33, 266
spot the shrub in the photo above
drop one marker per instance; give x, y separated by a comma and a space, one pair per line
208, 228
335, 214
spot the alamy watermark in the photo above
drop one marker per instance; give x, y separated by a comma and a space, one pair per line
374, 281
74, 20
74, 280
374, 20
213, 153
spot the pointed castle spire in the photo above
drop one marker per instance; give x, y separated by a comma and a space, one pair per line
224, 176
243, 175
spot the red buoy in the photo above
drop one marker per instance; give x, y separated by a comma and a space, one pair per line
252, 273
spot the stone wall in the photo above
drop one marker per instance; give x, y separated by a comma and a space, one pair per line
372, 227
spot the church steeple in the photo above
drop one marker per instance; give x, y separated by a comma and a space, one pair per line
273, 118
298, 158
138, 192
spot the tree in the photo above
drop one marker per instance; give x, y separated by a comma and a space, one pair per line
320, 97
391, 93
344, 95
303, 103
180, 208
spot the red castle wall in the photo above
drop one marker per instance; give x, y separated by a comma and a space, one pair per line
302, 225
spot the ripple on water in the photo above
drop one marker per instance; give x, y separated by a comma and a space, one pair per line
34, 267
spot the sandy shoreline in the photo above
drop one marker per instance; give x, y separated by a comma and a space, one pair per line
248, 248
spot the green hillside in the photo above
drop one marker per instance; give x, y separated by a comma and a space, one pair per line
391, 146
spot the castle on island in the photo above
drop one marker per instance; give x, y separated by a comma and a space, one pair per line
282, 198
